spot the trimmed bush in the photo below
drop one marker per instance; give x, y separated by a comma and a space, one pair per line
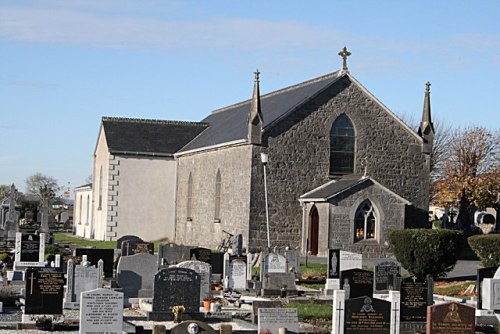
425, 251
487, 248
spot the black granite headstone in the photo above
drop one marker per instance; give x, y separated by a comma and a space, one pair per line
95, 254
44, 291
333, 263
384, 273
414, 299
175, 286
200, 254
366, 315
171, 253
132, 247
483, 273
30, 248
217, 262
127, 237
356, 283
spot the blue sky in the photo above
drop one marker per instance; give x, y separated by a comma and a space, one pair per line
65, 64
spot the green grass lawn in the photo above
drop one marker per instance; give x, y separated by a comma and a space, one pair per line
311, 310
66, 238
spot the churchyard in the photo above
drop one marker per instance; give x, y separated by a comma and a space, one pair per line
134, 289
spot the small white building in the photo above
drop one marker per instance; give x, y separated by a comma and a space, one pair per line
82, 211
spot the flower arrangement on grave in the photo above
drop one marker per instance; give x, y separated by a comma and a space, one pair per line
177, 310
43, 323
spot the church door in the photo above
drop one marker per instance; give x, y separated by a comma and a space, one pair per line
313, 231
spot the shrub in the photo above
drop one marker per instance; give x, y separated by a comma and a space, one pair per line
425, 251
4, 257
487, 248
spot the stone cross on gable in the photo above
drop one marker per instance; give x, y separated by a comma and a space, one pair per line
428, 86
257, 75
344, 54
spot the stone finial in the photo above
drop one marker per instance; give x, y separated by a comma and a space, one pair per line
344, 54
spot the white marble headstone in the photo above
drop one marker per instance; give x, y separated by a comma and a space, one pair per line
101, 311
237, 275
275, 263
270, 320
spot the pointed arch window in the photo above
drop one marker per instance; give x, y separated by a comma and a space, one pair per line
88, 210
342, 145
189, 198
217, 197
365, 222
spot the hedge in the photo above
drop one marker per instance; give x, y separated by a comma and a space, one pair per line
425, 251
487, 248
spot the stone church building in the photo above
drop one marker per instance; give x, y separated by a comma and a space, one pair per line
342, 171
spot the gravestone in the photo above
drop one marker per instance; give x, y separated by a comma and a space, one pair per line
95, 254
415, 299
217, 262
274, 263
365, 315
44, 291
175, 286
450, 318
350, 260
80, 278
333, 265
356, 283
132, 247
200, 254
487, 285
384, 274
204, 271
127, 237
29, 251
135, 275
237, 278
171, 253
257, 304
101, 312
270, 320
193, 327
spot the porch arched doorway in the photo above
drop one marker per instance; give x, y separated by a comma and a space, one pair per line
313, 234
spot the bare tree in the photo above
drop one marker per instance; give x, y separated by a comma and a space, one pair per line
471, 161
42, 186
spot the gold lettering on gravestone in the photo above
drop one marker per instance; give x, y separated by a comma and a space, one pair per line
141, 248
50, 284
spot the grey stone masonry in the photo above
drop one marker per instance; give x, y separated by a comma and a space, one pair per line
299, 158
113, 184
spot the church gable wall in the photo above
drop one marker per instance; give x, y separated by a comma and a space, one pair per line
234, 164
299, 155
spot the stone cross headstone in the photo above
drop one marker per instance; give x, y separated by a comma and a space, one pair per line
127, 237
203, 269
44, 291
356, 283
451, 318
237, 278
101, 312
270, 320
135, 275
384, 274
45, 212
175, 286
365, 315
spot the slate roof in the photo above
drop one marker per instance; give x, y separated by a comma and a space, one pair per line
336, 187
148, 137
230, 123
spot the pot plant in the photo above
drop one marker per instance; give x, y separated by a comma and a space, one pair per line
283, 290
43, 323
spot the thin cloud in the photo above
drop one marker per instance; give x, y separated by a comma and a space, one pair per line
31, 84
